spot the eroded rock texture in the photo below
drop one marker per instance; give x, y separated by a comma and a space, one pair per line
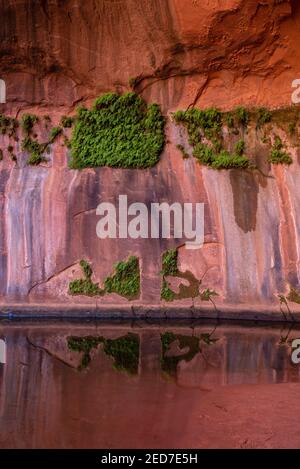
55, 55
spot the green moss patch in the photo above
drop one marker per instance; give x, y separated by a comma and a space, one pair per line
126, 280
55, 132
207, 294
85, 286
169, 362
119, 131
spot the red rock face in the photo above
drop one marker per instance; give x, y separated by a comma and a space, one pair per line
55, 55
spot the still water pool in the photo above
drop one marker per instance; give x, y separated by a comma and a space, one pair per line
148, 385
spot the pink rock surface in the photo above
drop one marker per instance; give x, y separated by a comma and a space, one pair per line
56, 55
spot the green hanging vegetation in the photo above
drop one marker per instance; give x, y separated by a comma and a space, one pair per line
263, 116
66, 122
55, 132
208, 124
119, 131
278, 155
27, 122
206, 134
84, 345
124, 350
169, 363
35, 150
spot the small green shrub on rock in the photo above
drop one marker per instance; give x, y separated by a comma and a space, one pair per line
263, 116
169, 262
27, 122
66, 122
242, 115
35, 150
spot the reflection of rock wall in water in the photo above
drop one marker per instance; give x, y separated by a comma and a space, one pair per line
55, 56
46, 401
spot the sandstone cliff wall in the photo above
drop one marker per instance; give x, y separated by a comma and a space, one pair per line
56, 55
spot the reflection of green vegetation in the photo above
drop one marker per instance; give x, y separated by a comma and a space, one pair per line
277, 154
206, 337
169, 363
119, 131
85, 286
35, 150
126, 280
84, 345
125, 351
